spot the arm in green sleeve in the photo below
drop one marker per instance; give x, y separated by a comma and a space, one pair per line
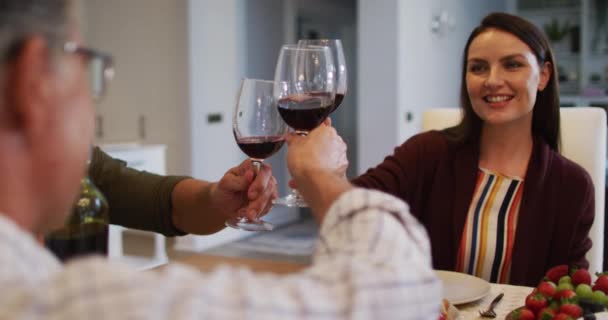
137, 199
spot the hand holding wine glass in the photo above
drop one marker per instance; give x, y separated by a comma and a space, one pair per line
241, 192
322, 150
317, 162
259, 132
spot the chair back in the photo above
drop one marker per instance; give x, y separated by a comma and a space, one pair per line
583, 136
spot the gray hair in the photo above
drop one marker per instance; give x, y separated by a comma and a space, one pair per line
21, 19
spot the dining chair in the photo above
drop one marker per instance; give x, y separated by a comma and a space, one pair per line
583, 136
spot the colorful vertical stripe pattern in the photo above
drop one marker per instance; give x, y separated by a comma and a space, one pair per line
488, 236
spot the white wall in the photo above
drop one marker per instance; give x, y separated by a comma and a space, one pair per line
216, 66
406, 68
378, 79
148, 39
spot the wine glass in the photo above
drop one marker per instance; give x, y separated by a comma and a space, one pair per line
259, 131
335, 45
305, 90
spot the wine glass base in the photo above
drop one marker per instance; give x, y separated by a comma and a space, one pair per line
291, 201
249, 225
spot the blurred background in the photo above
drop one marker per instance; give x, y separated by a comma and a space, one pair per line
179, 64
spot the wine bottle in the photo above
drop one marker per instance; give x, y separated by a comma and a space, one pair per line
86, 229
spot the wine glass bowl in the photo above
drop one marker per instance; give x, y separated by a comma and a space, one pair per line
341, 74
305, 87
305, 90
304, 112
260, 148
259, 132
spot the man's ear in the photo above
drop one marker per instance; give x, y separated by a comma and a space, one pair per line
28, 85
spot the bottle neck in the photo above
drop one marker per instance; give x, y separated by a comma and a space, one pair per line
90, 157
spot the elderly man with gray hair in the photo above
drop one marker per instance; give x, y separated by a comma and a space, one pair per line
372, 260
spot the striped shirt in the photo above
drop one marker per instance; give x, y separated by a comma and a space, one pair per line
486, 246
372, 261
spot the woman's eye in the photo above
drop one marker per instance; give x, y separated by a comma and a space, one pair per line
512, 64
476, 68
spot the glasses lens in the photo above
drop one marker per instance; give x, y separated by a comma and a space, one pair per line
97, 79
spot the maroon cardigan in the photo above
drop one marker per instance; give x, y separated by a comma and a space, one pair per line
437, 179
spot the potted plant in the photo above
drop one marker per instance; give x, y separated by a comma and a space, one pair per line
555, 30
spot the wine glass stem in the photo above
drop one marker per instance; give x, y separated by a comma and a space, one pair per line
257, 164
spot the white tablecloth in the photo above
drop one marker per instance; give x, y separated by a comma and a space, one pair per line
514, 297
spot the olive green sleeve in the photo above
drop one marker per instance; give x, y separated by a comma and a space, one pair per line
137, 199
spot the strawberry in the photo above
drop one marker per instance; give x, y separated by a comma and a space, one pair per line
553, 304
522, 314
581, 276
572, 309
564, 294
546, 288
546, 314
563, 316
555, 273
536, 302
601, 283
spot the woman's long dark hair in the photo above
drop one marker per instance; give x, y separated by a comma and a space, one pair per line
545, 115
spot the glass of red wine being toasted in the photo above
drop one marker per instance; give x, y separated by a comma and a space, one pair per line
305, 89
341, 76
259, 131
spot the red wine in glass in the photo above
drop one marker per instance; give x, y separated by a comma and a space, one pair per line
337, 102
341, 76
305, 112
260, 147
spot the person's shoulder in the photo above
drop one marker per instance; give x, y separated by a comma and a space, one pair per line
427, 146
429, 139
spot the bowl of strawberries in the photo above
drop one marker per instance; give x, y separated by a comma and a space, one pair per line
566, 293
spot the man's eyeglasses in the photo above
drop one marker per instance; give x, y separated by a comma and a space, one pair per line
100, 67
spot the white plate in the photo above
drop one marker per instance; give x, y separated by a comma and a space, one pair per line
461, 288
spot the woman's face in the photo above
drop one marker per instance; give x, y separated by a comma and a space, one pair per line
503, 77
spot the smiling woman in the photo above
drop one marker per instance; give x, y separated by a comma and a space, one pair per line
503, 77
493, 191
526, 49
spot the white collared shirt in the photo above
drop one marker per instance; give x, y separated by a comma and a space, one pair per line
372, 261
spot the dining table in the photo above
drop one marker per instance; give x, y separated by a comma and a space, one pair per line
514, 296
